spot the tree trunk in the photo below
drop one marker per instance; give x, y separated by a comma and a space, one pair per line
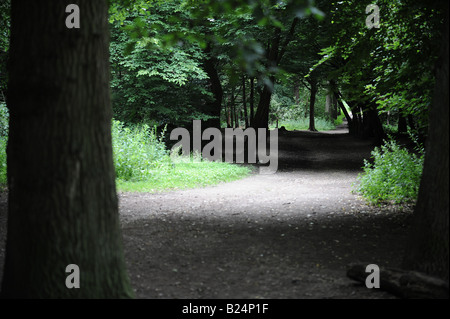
62, 199
312, 101
276, 52
215, 107
262, 112
428, 248
411, 122
233, 108
402, 126
297, 91
328, 105
376, 126
334, 108
244, 103
337, 95
252, 101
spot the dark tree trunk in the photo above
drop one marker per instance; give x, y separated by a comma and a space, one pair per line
411, 122
337, 95
297, 92
312, 101
62, 199
428, 249
334, 108
328, 101
276, 51
402, 126
215, 107
244, 103
262, 113
332, 96
252, 101
230, 114
233, 108
376, 126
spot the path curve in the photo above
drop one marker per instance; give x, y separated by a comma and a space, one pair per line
285, 235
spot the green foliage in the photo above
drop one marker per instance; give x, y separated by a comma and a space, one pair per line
339, 120
138, 151
5, 21
4, 118
187, 174
394, 174
151, 81
390, 67
143, 163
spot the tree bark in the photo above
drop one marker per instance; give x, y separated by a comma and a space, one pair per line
62, 199
276, 52
215, 107
312, 101
297, 91
262, 112
328, 104
402, 126
337, 95
334, 107
244, 103
252, 101
428, 247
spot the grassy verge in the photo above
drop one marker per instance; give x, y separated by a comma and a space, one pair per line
143, 164
186, 175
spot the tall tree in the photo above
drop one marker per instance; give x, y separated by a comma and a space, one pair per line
62, 198
277, 47
428, 248
312, 100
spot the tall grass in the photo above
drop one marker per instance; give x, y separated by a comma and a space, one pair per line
138, 151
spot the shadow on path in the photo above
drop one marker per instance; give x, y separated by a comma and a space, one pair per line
285, 235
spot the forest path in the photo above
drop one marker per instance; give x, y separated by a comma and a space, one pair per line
285, 235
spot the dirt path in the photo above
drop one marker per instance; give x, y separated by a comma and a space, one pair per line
286, 235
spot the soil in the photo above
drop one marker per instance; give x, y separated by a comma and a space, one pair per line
288, 235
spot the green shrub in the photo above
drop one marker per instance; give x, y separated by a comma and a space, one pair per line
394, 175
138, 151
339, 120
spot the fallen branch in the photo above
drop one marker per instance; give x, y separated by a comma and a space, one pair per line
402, 283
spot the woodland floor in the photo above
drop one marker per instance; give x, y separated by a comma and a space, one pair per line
281, 236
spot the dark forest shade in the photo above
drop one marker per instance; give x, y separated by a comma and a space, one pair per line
428, 249
62, 199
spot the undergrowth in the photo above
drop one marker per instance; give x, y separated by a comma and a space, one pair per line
394, 174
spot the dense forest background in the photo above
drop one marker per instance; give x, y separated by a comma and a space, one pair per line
261, 65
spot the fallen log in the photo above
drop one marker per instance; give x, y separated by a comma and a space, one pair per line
402, 283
